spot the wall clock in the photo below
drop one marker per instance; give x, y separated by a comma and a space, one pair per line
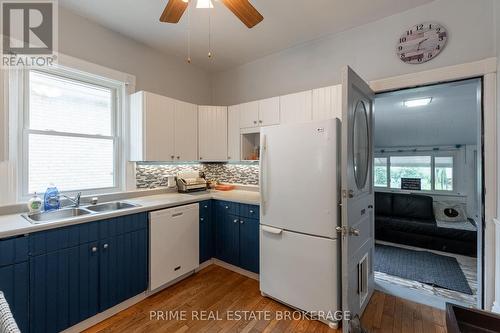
421, 43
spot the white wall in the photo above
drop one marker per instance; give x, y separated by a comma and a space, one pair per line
155, 71
369, 49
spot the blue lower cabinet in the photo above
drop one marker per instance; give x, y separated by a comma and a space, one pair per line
249, 244
64, 287
14, 283
206, 250
70, 284
237, 234
123, 268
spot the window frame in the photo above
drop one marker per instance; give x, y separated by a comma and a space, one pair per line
116, 127
433, 154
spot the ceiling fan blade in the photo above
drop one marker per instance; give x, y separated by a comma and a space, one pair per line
244, 10
173, 11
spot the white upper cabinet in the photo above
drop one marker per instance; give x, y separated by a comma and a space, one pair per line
249, 114
233, 133
212, 133
269, 111
327, 103
296, 108
151, 127
186, 131
255, 114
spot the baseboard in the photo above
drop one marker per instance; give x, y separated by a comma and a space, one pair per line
236, 269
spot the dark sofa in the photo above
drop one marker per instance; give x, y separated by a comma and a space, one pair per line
409, 219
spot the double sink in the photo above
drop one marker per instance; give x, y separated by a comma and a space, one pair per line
73, 212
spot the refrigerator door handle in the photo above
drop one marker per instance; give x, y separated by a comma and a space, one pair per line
263, 175
272, 230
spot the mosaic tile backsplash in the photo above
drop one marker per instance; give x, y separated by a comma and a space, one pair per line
153, 175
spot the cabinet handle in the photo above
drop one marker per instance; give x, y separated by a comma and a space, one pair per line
94, 249
251, 211
206, 206
229, 157
105, 246
235, 221
178, 157
260, 121
241, 222
227, 207
201, 158
172, 156
202, 219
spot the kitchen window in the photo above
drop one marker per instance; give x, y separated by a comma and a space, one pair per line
436, 172
70, 133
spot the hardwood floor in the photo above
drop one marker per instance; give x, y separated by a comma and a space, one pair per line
217, 293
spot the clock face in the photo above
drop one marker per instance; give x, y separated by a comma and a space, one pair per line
421, 43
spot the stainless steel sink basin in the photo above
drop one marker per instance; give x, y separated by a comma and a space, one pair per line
56, 215
110, 206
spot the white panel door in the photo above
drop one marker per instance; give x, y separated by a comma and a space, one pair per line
300, 270
233, 133
212, 133
158, 128
299, 177
186, 131
296, 108
357, 195
327, 102
269, 111
249, 114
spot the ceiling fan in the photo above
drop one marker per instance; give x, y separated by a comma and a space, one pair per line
243, 9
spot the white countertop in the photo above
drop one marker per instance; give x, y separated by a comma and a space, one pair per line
15, 224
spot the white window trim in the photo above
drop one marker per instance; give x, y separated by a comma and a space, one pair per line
433, 154
125, 85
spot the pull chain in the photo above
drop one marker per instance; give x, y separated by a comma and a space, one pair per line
189, 32
210, 34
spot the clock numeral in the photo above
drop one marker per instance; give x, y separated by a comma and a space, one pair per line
400, 48
438, 47
402, 55
420, 27
402, 40
430, 26
409, 32
441, 38
438, 29
429, 55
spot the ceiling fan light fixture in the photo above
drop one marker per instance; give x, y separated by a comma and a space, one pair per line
204, 4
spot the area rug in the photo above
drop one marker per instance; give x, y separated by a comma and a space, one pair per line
422, 266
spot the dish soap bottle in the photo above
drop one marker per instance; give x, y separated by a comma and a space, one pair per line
35, 204
51, 198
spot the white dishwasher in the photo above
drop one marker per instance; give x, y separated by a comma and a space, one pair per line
173, 244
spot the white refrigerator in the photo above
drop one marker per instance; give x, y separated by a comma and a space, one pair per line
299, 249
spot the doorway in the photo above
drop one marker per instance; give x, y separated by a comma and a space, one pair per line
429, 210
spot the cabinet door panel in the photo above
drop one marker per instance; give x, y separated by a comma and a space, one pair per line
249, 244
269, 111
206, 231
186, 131
249, 114
123, 266
296, 108
327, 103
227, 236
63, 288
158, 128
233, 133
212, 135
14, 283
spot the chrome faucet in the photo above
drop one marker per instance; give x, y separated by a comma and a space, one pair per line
75, 201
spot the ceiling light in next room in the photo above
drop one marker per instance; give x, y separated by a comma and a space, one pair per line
412, 103
204, 4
